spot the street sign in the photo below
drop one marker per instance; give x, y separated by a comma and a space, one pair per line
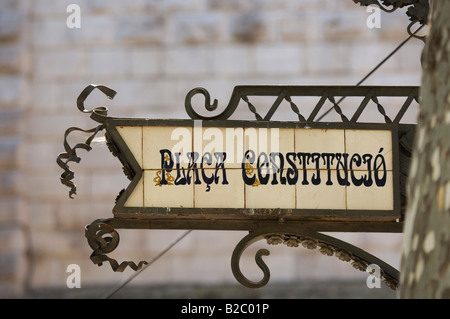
251, 172
283, 181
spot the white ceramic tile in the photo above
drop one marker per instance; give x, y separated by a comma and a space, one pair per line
220, 195
217, 139
175, 139
373, 197
370, 142
321, 196
156, 195
318, 141
132, 136
136, 198
269, 140
270, 196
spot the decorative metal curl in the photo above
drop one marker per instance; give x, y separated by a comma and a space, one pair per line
241, 246
70, 155
102, 245
98, 114
210, 107
327, 245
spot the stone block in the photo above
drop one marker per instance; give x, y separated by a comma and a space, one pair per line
231, 60
186, 61
9, 151
9, 182
141, 29
94, 30
11, 90
109, 62
198, 28
342, 25
55, 65
46, 96
51, 32
11, 59
229, 6
41, 156
146, 61
50, 8
10, 24
9, 120
173, 6
12, 243
295, 27
42, 215
280, 59
327, 59
249, 27
13, 210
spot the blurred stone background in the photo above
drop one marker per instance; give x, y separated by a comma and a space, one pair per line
152, 52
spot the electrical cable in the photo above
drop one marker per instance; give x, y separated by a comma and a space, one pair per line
374, 69
115, 290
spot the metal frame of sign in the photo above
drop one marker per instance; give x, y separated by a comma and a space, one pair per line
292, 227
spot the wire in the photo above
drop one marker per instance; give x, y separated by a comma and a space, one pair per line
374, 69
113, 291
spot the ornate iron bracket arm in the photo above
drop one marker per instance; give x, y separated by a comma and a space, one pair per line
103, 239
285, 93
417, 11
98, 114
327, 245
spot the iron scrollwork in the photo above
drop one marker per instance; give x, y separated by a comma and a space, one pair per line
103, 239
327, 245
99, 115
285, 93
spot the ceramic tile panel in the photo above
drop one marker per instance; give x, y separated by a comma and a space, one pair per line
220, 195
322, 195
370, 142
373, 197
318, 141
264, 194
136, 198
132, 136
171, 138
168, 195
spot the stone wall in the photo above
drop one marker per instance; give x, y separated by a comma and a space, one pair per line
152, 53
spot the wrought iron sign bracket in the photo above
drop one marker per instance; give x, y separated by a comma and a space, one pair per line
196, 187
417, 11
